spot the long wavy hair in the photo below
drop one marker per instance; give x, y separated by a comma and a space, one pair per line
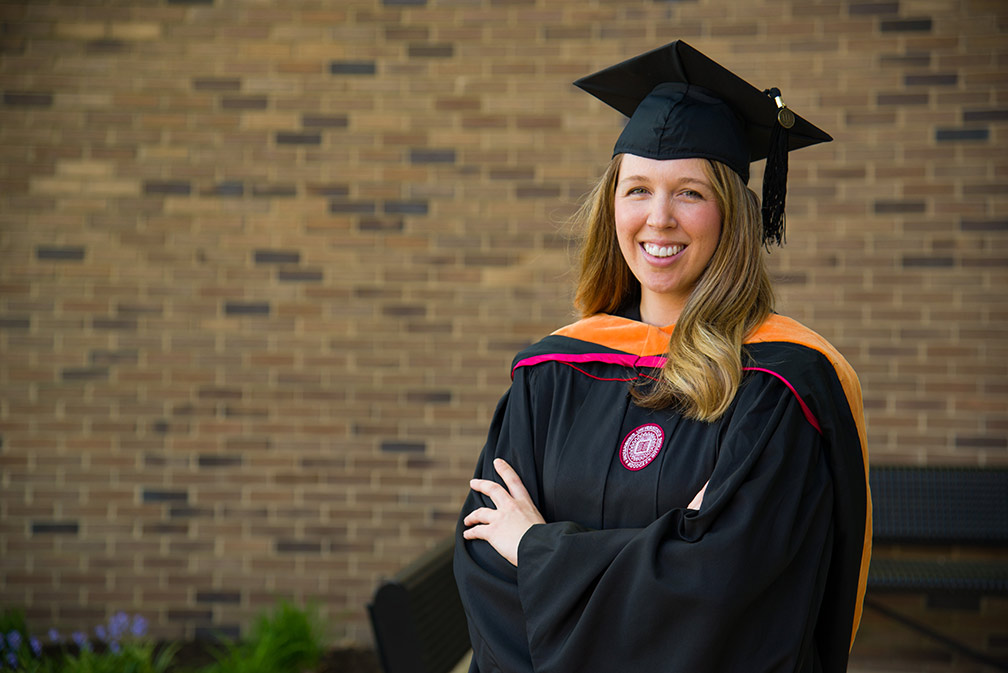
732, 297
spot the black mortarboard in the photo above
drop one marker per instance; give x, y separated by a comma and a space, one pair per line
681, 104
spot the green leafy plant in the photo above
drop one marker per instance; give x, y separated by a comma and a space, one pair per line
120, 646
288, 640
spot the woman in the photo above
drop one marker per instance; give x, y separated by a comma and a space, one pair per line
687, 499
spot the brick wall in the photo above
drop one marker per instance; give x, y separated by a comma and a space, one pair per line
264, 265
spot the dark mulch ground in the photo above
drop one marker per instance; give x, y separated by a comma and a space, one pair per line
350, 661
192, 656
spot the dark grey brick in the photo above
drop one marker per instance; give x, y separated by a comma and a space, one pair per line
917, 261
231, 597
27, 98
913, 59
429, 397
432, 156
231, 632
374, 224
106, 46
246, 308
158, 495
352, 68
398, 446
15, 323
324, 121
110, 357
277, 256
406, 207
954, 135
298, 138
274, 191
62, 253
297, 546
352, 207
870, 8
55, 528
219, 460
114, 323
983, 225
431, 50
906, 25
944, 79
175, 187
216, 83
329, 190
227, 188
84, 373
985, 115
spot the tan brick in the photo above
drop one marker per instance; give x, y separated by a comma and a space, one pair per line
425, 297
134, 30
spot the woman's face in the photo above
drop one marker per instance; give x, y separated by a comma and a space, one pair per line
668, 224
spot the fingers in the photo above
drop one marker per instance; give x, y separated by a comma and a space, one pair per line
481, 515
497, 493
479, 523
511, 480
698, 498
512, 514
515, 488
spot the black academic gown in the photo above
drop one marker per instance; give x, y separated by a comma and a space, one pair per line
766, 575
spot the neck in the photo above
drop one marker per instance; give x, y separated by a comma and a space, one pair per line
660, 312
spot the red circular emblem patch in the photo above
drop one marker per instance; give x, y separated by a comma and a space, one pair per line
641, 446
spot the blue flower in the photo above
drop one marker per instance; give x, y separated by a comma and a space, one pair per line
36, 646
12, 660
118, 625
114, 647
100, 632
139, 628
81, 639
54, 635
14, 640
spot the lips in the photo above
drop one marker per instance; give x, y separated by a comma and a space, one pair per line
663, 251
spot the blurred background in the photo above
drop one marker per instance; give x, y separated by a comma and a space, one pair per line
264, 266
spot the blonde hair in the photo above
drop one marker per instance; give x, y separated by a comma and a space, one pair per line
732, 297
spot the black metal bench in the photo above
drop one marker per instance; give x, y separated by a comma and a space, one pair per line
925, 508
417, 618
419, 623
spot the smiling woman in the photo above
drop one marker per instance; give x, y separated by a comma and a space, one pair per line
676, 482
668, 224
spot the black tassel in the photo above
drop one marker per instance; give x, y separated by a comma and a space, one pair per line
775, 174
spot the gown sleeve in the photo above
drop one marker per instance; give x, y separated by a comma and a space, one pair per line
734, 586
487, 582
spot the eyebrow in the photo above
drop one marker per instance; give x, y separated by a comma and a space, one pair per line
643, 178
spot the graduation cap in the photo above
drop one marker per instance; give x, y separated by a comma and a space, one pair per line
681, 104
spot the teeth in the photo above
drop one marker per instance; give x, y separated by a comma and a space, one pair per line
662, 250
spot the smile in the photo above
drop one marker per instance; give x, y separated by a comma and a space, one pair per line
663, 250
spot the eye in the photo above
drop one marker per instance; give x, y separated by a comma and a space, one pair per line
636, 190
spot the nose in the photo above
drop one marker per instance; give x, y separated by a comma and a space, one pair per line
661, 213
